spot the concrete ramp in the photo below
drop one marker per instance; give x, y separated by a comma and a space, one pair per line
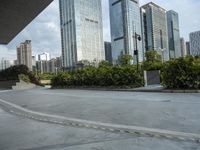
21, 85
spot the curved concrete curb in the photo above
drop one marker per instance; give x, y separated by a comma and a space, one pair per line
21, 85
162, 90
134, 130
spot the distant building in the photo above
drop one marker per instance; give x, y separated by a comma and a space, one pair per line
15, 62
34, 63
4, 64
154, 22
52, 66
195, 43
183, 47
188, 48
24, 54
42, 66
173, 34
81, 31
108, 51
44, 57
125, 21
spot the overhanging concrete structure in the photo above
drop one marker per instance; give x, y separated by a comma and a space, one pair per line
15, 15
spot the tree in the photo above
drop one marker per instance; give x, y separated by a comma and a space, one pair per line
153, 56
125, 59
153, 61
105, 63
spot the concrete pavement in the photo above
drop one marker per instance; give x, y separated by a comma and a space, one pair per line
19, 133
161, 111
168, 111
133, 130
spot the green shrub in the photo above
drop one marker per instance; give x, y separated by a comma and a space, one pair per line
149, 66
104, 75
181, 73
24, 78
13, 73
153, 61
62, 79
46, 76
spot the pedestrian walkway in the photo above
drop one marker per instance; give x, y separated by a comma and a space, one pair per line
134, 130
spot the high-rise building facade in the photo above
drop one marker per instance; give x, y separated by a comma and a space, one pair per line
173, 34
4, 64
108, 51
125, 21
24, 54
183, 47
188, 48
44, 57
81, 31
195, 43
155, 33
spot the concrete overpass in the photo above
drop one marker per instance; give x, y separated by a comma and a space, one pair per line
15, 15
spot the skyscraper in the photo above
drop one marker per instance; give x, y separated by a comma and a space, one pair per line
125, 22
24, 54
195, 43
154, 22
4, 64
44, 57
81, 31
173, 34
183, 47
108, 51
188, 48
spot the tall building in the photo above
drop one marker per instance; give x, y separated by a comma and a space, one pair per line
24, 54
51, 66
154, 22
188, 48
81, 31
195, 43
173, 34
125, 21
4, 64
108, 51
183, 47
34, 63
44, 57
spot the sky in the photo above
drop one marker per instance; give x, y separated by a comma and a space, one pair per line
44, 30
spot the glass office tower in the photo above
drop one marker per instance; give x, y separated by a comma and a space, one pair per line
173, 34
81, 31
125, 21
154, 22
195, 43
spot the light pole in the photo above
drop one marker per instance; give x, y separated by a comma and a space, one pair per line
162, 51
137, 38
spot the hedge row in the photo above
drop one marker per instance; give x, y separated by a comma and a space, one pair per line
181, 73
126, 75
13, 73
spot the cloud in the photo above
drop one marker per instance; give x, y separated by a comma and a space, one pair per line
44, 31
10, 53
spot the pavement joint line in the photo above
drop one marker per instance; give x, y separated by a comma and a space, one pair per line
94, 127
139, 131
112, 130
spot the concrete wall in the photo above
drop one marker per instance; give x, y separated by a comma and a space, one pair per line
7, 84
152, 77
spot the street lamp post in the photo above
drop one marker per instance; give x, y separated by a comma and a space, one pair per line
162, 51
137, 38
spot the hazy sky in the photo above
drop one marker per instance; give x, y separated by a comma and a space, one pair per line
44, 31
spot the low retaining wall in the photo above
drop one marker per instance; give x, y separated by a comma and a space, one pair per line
152, 77
7, 84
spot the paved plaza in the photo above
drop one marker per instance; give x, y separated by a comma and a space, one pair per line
176, 112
